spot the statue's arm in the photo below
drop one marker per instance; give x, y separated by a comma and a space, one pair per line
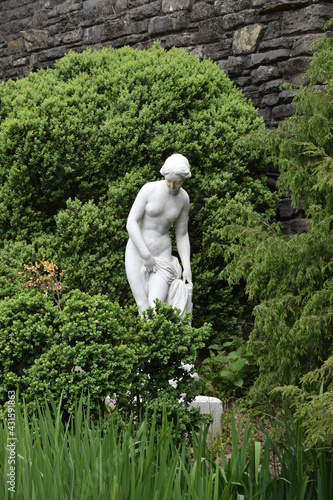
133, 228
183, 241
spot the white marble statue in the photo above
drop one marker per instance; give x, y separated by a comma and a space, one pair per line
152, 272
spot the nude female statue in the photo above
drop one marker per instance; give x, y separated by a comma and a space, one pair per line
152, 272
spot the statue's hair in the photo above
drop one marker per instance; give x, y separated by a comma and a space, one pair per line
176, 164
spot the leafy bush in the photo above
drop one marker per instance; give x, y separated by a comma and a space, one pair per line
77, 143
228, 371
95, 348
27, 331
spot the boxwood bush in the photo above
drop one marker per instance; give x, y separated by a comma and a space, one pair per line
27, 331
95, 348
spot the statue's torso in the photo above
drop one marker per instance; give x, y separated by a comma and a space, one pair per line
162, 210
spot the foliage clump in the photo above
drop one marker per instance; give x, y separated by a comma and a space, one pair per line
95, 348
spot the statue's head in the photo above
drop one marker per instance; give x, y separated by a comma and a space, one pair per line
176, 165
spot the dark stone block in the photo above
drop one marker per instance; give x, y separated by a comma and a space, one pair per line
23, 61
201, 11
140, 26
7, 62
282, 111
243, 81
93, 9
265, 114
272, 56
183, 40
273, 31
223, 7
285, 209
52, 54
68, 38
287, 96
116, 28
252, 94
92, 35
120, 6
131, 40
218, 50
280, 43
303, 44
264, 73
14, 27
311, 18
167, 24
65, 8
294, 66
242, 18
269, 17
145, 11
24, 6
209, 31
296, 226
234, 66
272, 5
270, 100
270, 87
170, 6
131, 4
39, 19
18, 72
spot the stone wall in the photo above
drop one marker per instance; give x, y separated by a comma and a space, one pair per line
259, 43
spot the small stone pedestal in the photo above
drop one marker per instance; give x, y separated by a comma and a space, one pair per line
211, 405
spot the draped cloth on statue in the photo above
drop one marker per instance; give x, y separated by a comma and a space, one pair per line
180, 294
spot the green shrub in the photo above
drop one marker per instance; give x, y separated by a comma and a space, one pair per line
27, 331
100, 125
100, 349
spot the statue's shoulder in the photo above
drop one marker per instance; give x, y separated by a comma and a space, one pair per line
148, 188
185, 196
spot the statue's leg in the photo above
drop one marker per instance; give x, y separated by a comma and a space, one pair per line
158, 288
133, 264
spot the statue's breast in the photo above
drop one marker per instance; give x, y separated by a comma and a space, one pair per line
165, 211
154, 209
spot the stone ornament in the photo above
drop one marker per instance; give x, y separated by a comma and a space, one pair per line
152, 272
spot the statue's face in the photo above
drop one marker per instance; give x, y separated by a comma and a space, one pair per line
174, 182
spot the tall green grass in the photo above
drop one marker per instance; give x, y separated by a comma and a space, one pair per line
82, 460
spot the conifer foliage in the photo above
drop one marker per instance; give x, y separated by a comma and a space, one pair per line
291, 277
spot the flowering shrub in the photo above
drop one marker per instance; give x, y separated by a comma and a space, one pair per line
44, 276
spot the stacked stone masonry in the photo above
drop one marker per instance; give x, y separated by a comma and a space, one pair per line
260, 44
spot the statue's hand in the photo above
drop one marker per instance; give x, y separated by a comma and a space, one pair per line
187, 276
150, 264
